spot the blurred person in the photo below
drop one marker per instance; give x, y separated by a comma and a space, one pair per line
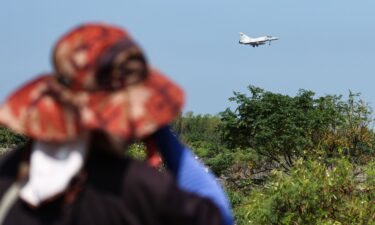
101, 97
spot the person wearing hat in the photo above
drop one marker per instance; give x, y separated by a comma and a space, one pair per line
101, 97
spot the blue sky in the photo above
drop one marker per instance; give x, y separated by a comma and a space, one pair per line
327, 46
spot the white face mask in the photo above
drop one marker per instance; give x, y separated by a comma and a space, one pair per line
52, 167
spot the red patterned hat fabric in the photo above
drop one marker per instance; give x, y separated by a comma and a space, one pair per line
101, 81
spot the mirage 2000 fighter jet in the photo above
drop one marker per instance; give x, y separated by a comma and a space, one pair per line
255, 42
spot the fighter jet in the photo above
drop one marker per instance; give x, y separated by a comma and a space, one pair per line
255, 42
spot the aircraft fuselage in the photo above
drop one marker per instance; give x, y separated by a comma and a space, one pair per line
255, 42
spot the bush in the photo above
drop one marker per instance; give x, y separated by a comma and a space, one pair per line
8, 138
313, 194
220, 162
137, 151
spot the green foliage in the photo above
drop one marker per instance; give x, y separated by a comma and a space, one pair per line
197, 129
353, 136
313, 194
9, 139
137, 151
282, 128
220, 162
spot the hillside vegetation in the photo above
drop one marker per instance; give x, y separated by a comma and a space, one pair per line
285, 159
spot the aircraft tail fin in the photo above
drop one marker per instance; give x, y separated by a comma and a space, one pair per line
244, 37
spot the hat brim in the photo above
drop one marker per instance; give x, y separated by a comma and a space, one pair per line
132, 113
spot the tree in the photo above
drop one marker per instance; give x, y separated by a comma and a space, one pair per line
199, 132
282, 128
354, 136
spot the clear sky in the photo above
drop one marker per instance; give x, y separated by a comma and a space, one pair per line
327, 46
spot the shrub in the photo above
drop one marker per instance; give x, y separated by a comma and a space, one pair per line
313, 194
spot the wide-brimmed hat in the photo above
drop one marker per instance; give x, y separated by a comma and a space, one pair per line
101, 80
